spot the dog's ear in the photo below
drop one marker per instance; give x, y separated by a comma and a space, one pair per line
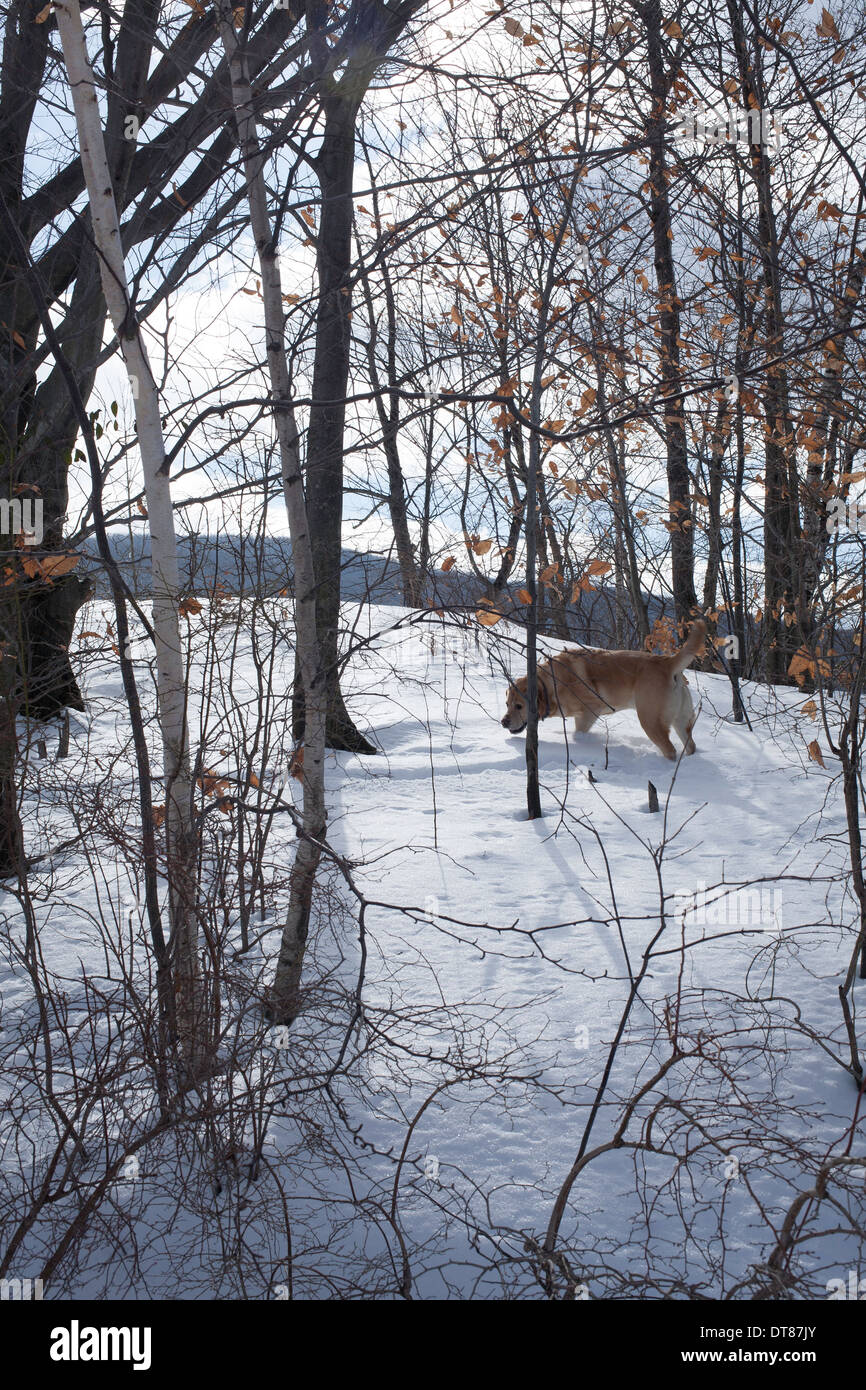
543, 700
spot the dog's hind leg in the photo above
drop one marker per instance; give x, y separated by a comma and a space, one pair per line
684, 732
684, 716
655, 728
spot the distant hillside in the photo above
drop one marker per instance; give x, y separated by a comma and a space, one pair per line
265, 565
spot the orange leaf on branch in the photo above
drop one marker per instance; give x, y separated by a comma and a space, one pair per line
55, 566
814, 751
487, 617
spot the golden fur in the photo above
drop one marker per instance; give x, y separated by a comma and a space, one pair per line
586, 685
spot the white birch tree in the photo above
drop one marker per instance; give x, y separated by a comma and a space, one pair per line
171, 684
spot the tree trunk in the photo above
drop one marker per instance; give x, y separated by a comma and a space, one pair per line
285, 997
324, 471
37, 616
171, 685
11, 839
718, 445
781, 509
389, 421
533, 798
616, 455
680, 524
821, 439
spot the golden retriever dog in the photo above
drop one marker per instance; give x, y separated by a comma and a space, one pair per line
585, 685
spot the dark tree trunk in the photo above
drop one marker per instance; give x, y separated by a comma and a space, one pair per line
821, 440
628, 565
533, 796
781, 507
375, 28
718, 445
388, 409
739, 622
324, 464
39, 615
11, 841
680, 524
49, 682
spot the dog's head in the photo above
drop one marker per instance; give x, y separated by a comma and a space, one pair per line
516, 705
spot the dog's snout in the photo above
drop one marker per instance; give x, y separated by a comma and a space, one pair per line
504, 722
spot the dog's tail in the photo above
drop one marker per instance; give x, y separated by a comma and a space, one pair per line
690, 648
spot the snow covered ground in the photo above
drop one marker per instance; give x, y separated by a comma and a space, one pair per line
499, 958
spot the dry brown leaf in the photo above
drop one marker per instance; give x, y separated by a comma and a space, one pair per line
827, 28
54, 566
814, 752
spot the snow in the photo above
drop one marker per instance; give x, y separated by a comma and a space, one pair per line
499, 954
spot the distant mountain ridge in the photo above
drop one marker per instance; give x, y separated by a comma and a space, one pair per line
241, 565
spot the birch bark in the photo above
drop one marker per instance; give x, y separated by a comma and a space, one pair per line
171, 684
